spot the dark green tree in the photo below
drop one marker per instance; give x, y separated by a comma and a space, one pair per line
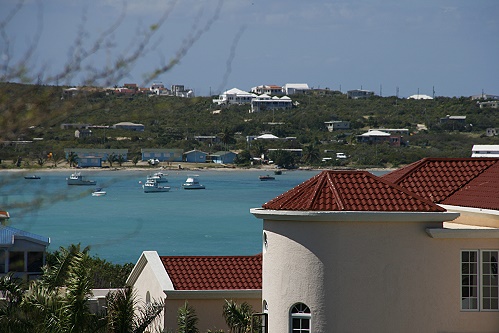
120, 159
72, 159
311, 154
283, 158
227, 137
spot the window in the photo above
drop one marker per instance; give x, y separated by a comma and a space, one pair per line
35, 261
2, 261
16, 261
479, 280
300, 319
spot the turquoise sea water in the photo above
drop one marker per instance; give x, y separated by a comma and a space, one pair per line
127, 221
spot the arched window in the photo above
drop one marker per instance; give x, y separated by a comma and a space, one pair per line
265, 242
300, 318
148, 298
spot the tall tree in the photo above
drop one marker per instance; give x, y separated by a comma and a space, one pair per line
311, 154
227, 137
72, 159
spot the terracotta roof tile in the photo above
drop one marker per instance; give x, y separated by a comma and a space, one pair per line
437, 179
349, 191
214, 272
480, 192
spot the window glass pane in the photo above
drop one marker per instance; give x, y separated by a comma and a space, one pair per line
35, 261
2, 261
16, 262
469, 280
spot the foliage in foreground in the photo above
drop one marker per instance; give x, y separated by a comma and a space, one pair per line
59, 301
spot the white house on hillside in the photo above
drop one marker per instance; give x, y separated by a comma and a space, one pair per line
265, 102
268, 90
295, 88
234, 96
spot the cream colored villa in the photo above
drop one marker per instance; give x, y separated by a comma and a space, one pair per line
414, 251
345, 251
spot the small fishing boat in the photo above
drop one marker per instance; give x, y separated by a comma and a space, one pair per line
152, 186
77, 179
192, 183
277, 172
32, 177
159, 177
267, 177
99, 192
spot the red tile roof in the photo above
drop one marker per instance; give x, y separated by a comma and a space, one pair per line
214, 272
468, 182
350, 191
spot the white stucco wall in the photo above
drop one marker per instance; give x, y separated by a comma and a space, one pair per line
149, 276
368, 277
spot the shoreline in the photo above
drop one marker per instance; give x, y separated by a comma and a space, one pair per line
181, 167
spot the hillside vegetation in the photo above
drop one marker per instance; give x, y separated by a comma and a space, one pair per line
35, 113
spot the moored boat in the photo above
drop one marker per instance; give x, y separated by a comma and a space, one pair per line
99, 192
267, 177
277, 172
192, 183
159, 177
152, 186
32, 177
77, 179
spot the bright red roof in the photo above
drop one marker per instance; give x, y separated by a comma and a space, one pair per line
350, 191
468, 182
214, 272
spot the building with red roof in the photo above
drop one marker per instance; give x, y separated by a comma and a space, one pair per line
413, 251
346, 251
205, 282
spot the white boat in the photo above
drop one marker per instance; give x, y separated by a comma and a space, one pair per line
192, 183
159, 177
99, 192
152, 186
77, 179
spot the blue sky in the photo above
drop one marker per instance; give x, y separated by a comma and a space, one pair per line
420, 45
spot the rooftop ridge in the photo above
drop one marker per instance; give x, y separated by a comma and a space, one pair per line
440, 178
350, 191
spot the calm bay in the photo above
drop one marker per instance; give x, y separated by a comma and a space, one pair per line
127, 221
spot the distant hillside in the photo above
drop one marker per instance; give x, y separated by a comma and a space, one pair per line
29, 112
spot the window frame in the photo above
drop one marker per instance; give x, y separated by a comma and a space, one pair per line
485, 278
301, 315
